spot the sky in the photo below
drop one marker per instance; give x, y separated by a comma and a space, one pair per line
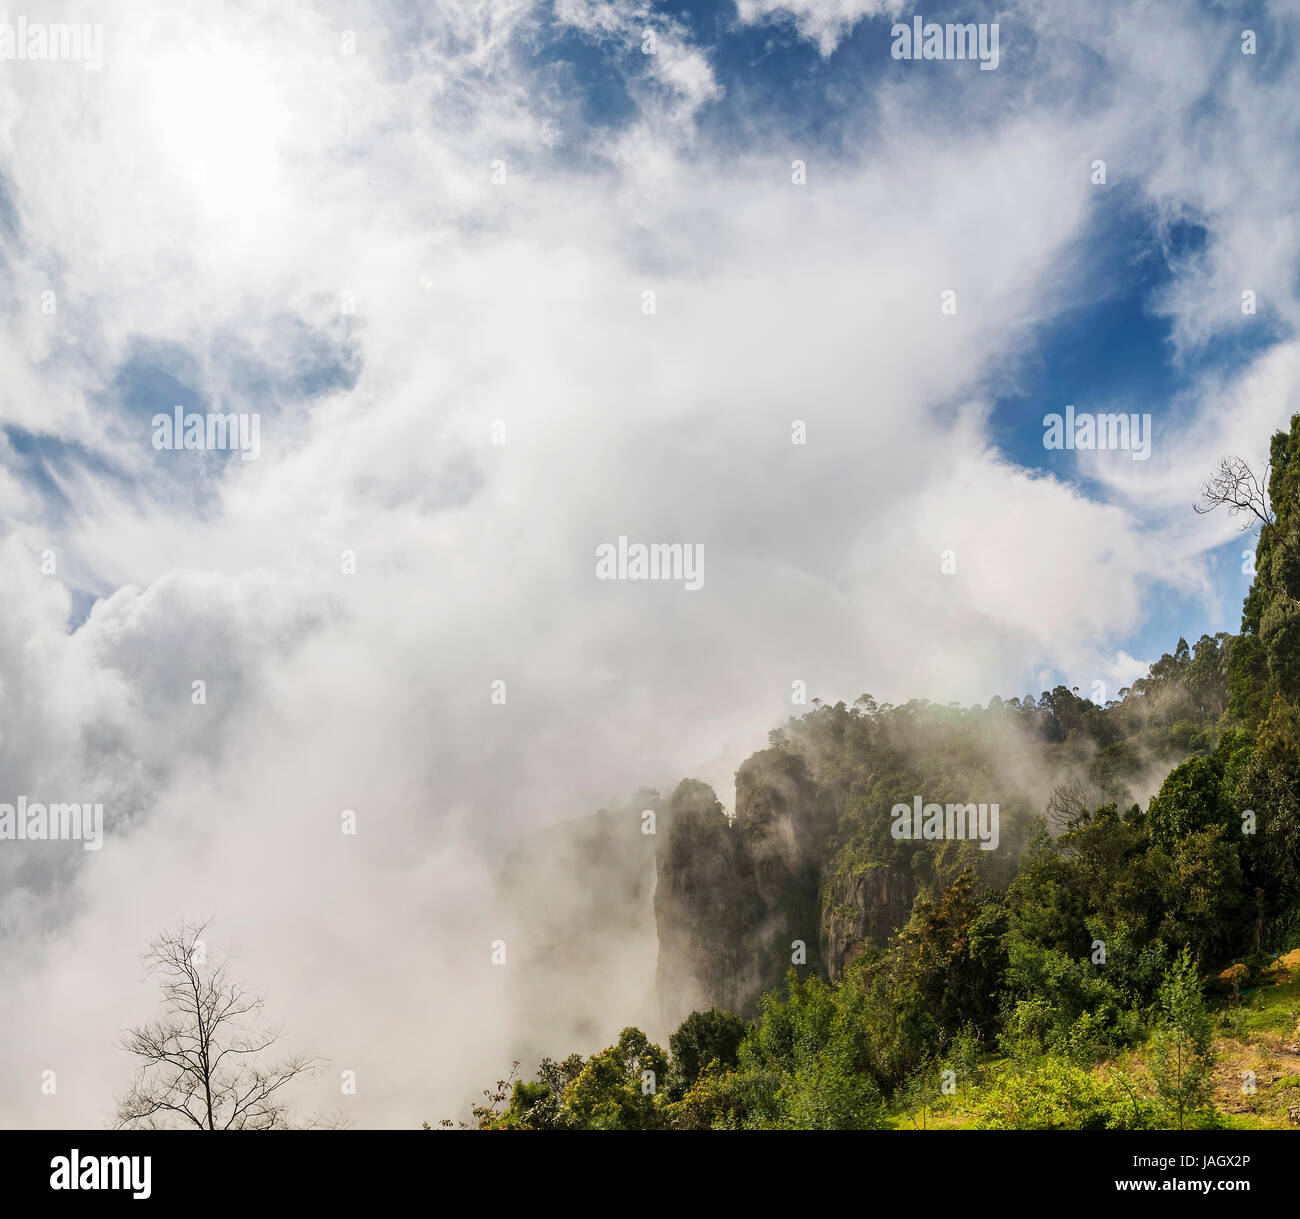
503, 282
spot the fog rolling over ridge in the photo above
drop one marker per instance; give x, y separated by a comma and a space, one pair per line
809, 857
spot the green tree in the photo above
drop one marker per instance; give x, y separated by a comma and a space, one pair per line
920, 1090
617, 1088
814, 1040
1190, 799
1182, 1054
533, 1106
1199, 884
702, 1038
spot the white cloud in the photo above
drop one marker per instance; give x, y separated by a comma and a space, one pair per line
824, 22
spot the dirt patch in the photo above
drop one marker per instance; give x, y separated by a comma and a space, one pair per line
1261, 1079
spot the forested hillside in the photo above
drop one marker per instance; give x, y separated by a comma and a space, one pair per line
1124, 956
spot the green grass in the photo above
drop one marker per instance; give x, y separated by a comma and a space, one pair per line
1252, 1034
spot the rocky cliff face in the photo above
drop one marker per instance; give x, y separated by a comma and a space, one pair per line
711, 910
863, 908
706, 908
735, 901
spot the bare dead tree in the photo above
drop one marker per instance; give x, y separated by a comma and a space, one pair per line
199, 1064
1234, 486
1068, 807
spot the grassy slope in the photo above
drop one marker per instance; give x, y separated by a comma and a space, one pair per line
1260, 1033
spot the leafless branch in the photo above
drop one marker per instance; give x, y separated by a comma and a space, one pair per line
1234, 486
198, 1064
